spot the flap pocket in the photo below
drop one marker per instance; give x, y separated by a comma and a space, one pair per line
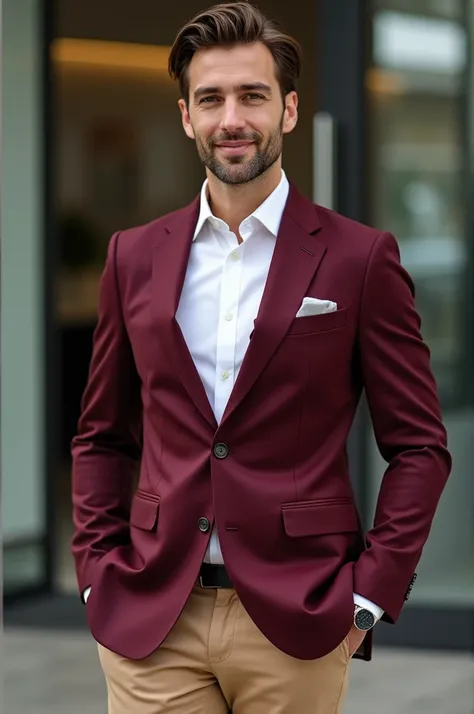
144, 512
318, 323
311, 518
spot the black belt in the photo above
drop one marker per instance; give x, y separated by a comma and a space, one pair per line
214, 576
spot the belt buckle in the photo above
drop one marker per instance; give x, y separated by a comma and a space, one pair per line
206, 587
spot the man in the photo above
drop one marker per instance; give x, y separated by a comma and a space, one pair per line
234, 339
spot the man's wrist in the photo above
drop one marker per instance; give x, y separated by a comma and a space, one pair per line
360, 601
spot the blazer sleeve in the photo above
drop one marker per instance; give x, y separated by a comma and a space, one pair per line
403, 403
107, 447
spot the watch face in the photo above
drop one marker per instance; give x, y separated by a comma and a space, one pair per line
364, 620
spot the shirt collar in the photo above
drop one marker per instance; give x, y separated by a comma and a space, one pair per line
269, 213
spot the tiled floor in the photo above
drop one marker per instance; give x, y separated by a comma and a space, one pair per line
60, 674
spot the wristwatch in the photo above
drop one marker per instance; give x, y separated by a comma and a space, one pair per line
363, 619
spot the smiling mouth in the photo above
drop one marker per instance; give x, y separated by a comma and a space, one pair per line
234, 146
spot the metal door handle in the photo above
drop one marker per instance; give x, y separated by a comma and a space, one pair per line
324, 160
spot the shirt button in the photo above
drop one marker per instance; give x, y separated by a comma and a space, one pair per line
235, 255
221, 451
229, 317
225, 375
204, 525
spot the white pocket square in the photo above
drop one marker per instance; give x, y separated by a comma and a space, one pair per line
314, 306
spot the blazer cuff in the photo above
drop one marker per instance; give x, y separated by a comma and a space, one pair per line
376, 611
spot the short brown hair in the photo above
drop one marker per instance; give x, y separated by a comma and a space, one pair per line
230, 24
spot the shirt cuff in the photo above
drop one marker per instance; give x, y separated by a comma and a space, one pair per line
376, 611
85, 594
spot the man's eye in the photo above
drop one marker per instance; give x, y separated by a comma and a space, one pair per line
253, 96
208, 100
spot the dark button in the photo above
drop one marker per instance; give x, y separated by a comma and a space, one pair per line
221, 451
204, 524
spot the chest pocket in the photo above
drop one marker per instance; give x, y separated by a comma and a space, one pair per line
318, 323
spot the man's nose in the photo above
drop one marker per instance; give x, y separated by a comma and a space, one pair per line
232, 117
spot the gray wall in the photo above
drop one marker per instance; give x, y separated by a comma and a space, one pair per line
22, 395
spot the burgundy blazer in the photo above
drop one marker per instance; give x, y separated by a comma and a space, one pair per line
281, 495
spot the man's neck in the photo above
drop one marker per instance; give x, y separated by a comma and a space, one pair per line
233, 204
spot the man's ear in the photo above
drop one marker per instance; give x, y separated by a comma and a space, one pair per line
290, 116
185, 119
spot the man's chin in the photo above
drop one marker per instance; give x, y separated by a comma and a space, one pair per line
236, 180
233, 176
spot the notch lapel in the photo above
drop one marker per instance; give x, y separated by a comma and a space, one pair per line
170, 260
298, 254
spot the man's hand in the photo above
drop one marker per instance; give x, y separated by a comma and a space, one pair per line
355, 639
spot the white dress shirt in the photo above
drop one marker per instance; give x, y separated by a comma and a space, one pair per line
219, 302
221, 297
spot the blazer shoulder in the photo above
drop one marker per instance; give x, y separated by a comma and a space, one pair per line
137, 243
346, 232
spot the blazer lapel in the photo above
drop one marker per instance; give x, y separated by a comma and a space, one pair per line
170, 260
298, 254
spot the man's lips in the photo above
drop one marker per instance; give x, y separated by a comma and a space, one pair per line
235, 142
233, 146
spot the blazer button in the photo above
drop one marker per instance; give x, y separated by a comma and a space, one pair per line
221, 451
204, 524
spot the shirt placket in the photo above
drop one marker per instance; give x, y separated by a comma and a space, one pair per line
227, 330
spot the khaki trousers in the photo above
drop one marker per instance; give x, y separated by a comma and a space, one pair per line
216, 661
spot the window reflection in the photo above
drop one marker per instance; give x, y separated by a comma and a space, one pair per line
419, 156
122, 158
417, 168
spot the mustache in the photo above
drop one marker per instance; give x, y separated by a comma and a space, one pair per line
236, 136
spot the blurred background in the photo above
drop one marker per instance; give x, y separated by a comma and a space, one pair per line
92, 143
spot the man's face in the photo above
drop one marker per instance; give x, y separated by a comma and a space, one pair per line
235, 111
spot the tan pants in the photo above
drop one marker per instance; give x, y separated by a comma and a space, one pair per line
215, 661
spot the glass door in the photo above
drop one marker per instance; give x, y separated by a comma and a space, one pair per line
394, 134
419, 150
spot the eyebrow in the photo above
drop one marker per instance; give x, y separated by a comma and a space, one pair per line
249, 87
